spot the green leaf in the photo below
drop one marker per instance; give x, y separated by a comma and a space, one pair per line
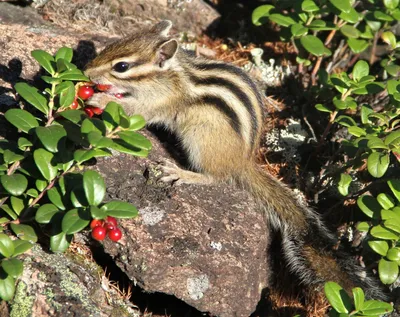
350, 31
344, 183
352, 16
15, 184
40, 184
120, 209
379, 15
73, 74
309, 6
365, 112
376, 308
17, 204
337, 297
342, 5
357, 131
378, 164
394, 185
380, 247
84, 155
75, 116
13, 267
56, 198
60, 242
393, 224
369, 206
135, 139
376, 143
51, 137
386, 201
393, 138
346, 121
383, 233
98, 213
281, 19
391, 4
21, 119
43, 160
45, 213
23, 143
298, 30
78, 198
388, 271
322, 108
357, 46
33, 96
360, 70
9, 211
45, 60
96, 139
393, 70
393, 254
261, 13
89, 125
7, 286
24, 232
94, 187
74, 221
313, 45
21, 246
6, 245
67, 96
64, 53
124, 147
389, 38
10, 157
363, 226
359, 297
111, 116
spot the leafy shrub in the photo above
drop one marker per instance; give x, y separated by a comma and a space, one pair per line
41, 186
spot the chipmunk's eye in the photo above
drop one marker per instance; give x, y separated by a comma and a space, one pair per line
121, 67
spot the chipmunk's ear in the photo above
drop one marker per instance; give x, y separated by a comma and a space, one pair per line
162, 27
166, 51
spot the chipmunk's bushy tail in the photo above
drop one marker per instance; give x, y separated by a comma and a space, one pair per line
307, 244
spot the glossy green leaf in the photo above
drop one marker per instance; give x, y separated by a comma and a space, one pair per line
17, 204
352, 16
84, 155
383, 233
10, 157
357, 131
97, 140
393, 254
51, 137
393, 224
379, 15
345, 121
120, 209
24, 232
73, 74
342, 5
124, 147
389, 38
74, 221
111, 116
388, 271
365, 112
13, 267
45, 60
380, 247
21, 119
67, 96
391, 4
378, 163
33, 96
60, 242
6, 245
56, 197
94, 187
309, 6
7, 209
7, 286
344, 183
45, 213
261, 13
359, 297
75, 116
280, 19
350, 31
337, 297
322, 108
298, 30
376, 308
393, 138
393, 70
376, 143
43, 160
21, 246
363, 226
357, 46
135, 139
24, 143
64, 53
89, 125
369, 206
98, 213
360, 70
385, 200
394, 185
15, 184
40, 184
78, 197
313, 45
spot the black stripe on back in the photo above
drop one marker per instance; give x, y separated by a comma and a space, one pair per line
222, 106
240, 95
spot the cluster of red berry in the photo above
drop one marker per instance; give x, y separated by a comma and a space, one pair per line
84, 93
101, 228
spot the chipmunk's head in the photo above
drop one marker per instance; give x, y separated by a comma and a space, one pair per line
144, 54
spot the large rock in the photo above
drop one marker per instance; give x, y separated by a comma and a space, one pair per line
207, 245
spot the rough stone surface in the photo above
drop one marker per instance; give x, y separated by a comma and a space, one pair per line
206, 245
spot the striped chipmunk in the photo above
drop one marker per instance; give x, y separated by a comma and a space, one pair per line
216, 111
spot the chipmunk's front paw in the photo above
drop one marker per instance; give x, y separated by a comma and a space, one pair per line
100, 100
178, 176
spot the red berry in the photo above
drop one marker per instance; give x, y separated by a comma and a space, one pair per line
85, 92
96, 223
112, 220
115, 234
102, 87
97, 111
109, 226
89, 112
99, 233
74, 105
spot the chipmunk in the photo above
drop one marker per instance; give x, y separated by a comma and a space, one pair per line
216, 111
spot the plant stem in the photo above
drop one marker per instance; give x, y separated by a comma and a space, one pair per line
315, 70
332, 118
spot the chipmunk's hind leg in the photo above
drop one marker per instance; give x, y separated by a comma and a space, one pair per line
177, 175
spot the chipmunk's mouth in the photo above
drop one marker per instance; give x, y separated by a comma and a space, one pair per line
111, 90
